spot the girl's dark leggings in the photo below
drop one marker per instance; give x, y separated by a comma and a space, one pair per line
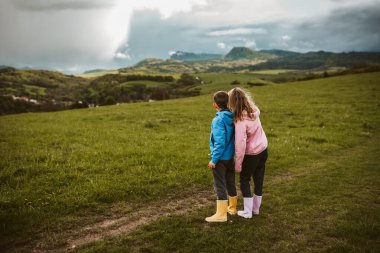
253, 166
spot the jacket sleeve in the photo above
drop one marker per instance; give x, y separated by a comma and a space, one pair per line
240, 144
219, 135
211, 145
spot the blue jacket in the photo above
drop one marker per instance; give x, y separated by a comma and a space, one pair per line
222, 137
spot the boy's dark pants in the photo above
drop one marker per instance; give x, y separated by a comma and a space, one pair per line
253, 166
224, 179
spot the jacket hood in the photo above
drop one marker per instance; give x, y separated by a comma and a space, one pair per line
227, 116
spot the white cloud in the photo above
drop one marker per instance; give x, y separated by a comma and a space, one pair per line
171, 52
60, 5
122, 56
238, 31
65, 32
250, 43
221, 45
73, 69
286, 37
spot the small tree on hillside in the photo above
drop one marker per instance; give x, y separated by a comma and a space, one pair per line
188, 80
109, 100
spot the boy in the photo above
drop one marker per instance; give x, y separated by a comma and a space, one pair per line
222, 164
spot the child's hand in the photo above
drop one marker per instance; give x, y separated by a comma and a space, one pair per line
211, 165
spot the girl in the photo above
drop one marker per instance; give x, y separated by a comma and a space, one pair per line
250, 149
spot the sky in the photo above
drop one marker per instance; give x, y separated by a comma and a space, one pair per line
77, 35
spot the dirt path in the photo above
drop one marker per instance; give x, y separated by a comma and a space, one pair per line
114, 226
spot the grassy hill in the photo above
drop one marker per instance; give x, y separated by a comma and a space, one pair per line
40, 84
62, 171
238, 53
95, 73
320, 59
42, 90
239, 58
188, 56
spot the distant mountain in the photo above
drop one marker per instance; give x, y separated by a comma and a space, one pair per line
26, 68
240, 53
91, 71
280, 53
320, 59
149, 61
237, 53
187, 56
4, 67
246, 59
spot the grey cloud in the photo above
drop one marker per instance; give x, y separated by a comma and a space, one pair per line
152, 36
345, 29
348, 29
42, 5
64, 39
68, 33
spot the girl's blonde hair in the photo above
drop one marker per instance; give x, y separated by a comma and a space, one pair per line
240, 100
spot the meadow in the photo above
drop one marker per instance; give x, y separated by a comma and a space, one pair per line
64, 170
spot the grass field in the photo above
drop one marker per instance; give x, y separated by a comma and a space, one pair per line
149, 84
102, 73
60, 171
35, 90
98, 74
272, 71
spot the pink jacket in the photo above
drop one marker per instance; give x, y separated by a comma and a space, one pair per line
250, 138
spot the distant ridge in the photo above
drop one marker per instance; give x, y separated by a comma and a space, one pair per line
4, 67
91, 71
237, 53
187, 56
280, 53
320, 59
246, 59
149, 61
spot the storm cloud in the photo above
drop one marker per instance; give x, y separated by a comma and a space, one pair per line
352, 28
57, 5
76, 35
346, 29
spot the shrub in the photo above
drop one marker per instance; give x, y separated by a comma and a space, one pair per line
159, 94
109, 100
188, 80
255, 83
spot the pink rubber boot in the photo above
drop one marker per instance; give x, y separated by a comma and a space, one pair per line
256, 204
247, 212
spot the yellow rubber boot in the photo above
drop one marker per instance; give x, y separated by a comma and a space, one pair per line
221, 212
232, 207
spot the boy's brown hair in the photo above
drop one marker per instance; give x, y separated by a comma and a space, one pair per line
221, 99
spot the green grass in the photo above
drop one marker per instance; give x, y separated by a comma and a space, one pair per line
102, 73
35, 90
98, 74
272, 71
57, 168
149, 84
322, 207
219, 81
